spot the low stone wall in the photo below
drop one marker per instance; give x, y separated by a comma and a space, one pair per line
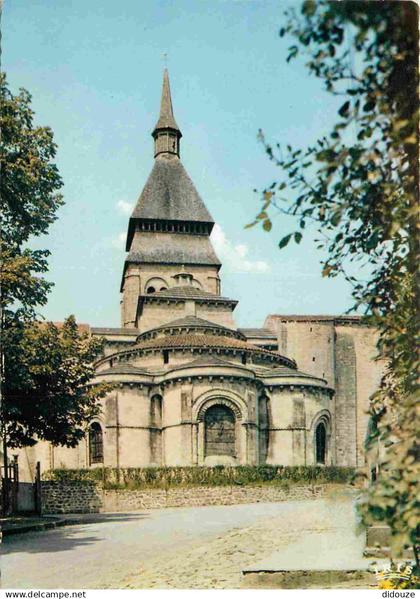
67, 497
122, 501
60, 497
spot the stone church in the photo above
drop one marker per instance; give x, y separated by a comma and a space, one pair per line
189, 387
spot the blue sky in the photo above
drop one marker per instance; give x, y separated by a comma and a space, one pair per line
95, 71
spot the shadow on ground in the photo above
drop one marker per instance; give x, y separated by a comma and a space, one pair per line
64, 538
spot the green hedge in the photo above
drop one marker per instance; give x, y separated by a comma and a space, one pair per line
164, 477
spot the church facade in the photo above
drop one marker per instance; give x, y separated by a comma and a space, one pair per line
189, 387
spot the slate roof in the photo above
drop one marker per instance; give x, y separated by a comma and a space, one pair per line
315, 317
175, 248
282, 370
187, 293
169, 195
166, 116
262, 333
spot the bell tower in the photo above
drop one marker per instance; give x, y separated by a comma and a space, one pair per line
168, 232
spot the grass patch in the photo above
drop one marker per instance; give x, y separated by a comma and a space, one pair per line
216, 476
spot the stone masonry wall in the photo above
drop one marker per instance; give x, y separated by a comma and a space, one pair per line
343, 352
122, 501
88, 497
59, 497
346, 401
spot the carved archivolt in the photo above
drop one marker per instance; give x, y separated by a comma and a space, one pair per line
220, 397
219, 401
323, 416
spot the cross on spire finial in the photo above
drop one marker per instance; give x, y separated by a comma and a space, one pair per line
165, 60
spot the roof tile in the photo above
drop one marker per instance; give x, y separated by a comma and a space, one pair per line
207, 342
194, 322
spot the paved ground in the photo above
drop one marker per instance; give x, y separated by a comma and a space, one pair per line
204, 547
14, 523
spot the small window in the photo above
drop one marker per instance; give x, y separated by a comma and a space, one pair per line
320, 443
244, 358
313, 359
165, 356
151, 290
163, 289
96, 446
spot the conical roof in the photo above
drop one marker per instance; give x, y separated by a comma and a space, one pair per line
166, 117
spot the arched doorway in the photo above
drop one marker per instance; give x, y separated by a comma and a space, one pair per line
219, 431
320, 443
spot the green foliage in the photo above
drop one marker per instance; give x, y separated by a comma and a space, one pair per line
47, 390
403, 577
29, 187
45, 370
359, 187
164, 477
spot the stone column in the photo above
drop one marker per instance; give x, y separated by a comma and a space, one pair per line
200, 443
187, 429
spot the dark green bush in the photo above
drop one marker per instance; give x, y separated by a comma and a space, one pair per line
178, 476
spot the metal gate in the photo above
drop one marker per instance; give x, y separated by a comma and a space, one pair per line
20, 497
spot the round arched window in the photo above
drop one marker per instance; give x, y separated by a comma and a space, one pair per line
151, 289
96, 445
320, 443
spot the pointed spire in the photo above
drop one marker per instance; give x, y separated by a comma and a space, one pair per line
166, 116
166, 132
